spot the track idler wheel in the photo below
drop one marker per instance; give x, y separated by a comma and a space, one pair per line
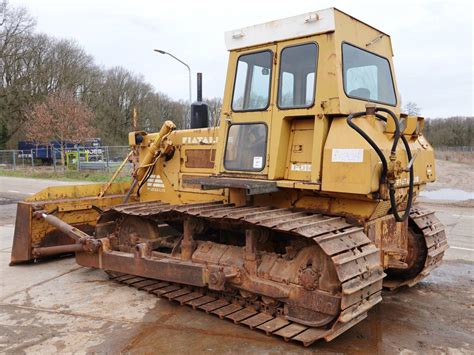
415, 259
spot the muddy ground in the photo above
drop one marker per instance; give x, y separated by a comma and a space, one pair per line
58, 306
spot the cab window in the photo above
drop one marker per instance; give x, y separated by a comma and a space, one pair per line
367, 76
252, 82
297, 76
246, 147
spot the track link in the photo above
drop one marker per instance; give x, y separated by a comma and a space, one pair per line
355, 258
230, 308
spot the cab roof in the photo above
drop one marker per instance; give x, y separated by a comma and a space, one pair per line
310, 23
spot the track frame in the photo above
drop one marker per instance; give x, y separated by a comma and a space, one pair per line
355, 259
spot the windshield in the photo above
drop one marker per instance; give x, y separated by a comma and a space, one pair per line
252, 82
367, 76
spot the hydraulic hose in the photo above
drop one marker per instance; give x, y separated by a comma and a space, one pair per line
148, 173
393, 203
383, 177
396, 137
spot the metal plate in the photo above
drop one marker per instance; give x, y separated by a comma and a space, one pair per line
242, 314
258, 319
209, 307
273, 325
291, 330
229, 309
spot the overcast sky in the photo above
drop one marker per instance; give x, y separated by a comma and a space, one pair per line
432, 40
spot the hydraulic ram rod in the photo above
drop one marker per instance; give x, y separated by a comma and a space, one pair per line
66, 228
84, 242
57, 250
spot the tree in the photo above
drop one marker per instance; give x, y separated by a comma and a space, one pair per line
61, 117
3, 134
34, 66
411, 108
15, 28
215, 107
452, 131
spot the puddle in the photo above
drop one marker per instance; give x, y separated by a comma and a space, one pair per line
448, 194
8, 201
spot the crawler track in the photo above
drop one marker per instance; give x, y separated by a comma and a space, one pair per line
355, 258
436, 243
233, 309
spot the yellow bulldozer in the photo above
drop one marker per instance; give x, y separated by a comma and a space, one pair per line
288, 216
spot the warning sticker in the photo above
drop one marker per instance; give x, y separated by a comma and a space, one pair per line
301, 167
257, 162
155, 183
347, 155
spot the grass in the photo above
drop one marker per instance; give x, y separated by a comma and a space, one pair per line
68, 175
455, 156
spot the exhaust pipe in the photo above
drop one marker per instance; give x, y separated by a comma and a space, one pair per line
199, 109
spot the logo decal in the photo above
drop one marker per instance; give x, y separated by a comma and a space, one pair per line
199, 140
155, 183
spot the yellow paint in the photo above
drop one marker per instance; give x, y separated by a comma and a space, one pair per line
317, 136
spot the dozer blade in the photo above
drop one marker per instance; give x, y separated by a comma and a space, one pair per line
77, 205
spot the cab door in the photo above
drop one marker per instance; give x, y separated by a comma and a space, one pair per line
247, 108
297, 136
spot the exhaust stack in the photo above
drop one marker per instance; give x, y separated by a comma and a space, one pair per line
199, 109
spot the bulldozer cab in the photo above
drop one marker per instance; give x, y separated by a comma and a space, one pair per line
285, 80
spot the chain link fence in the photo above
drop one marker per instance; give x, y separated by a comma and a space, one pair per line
102, 158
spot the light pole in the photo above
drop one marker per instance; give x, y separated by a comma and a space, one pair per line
189, 78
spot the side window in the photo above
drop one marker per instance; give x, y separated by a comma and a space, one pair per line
367, 76
252, 82
297, 76
246, 147
287, 89
310, 89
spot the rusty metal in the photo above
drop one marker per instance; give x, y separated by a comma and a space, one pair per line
188, 244
200, 158
130, 190
32, 231
250, 263
84, 241
57, 250
251, 187
21, 249
300, 248
170, 270
67, 229
325, 288
370, 109
434, 242
228, 306
330, 283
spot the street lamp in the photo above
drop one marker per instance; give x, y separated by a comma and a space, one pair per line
189, 78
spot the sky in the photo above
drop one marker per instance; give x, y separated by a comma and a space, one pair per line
432, 40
